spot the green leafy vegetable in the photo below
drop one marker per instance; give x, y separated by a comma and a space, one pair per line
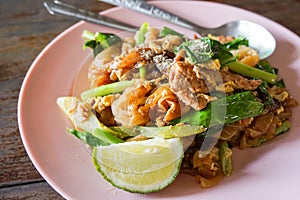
238, 41
283, 128
198, 51
167, 31
204, 49
221, 52
99, 41
265, 96
237, 107
280, 83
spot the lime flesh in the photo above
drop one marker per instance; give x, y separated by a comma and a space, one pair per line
140, 167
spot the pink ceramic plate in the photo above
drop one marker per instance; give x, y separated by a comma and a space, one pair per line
269, 172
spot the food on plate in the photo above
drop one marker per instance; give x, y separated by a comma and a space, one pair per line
161, 104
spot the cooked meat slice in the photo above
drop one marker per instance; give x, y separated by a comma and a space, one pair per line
262, 123
99, 70
163, 105
129, 108
125, 63
128, 45
165, 43
153, 34
239, 81
188, 85
163, 61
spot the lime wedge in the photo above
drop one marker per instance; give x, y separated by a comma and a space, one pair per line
140, 167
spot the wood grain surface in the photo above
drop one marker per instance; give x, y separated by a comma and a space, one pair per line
25, 29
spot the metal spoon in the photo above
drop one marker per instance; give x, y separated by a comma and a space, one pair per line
58, 7
259, 37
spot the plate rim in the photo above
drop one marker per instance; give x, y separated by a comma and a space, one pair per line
60, 36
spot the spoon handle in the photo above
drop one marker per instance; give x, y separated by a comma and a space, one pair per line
58, 7
148, 9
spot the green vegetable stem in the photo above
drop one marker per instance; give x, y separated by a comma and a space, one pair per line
99, 137
106, 137
252, 72
170, 131
106, 89
226, 158
141, 34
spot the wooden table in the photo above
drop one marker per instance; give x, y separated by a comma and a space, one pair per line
25, 29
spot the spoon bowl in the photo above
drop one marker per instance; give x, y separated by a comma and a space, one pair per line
259, 37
